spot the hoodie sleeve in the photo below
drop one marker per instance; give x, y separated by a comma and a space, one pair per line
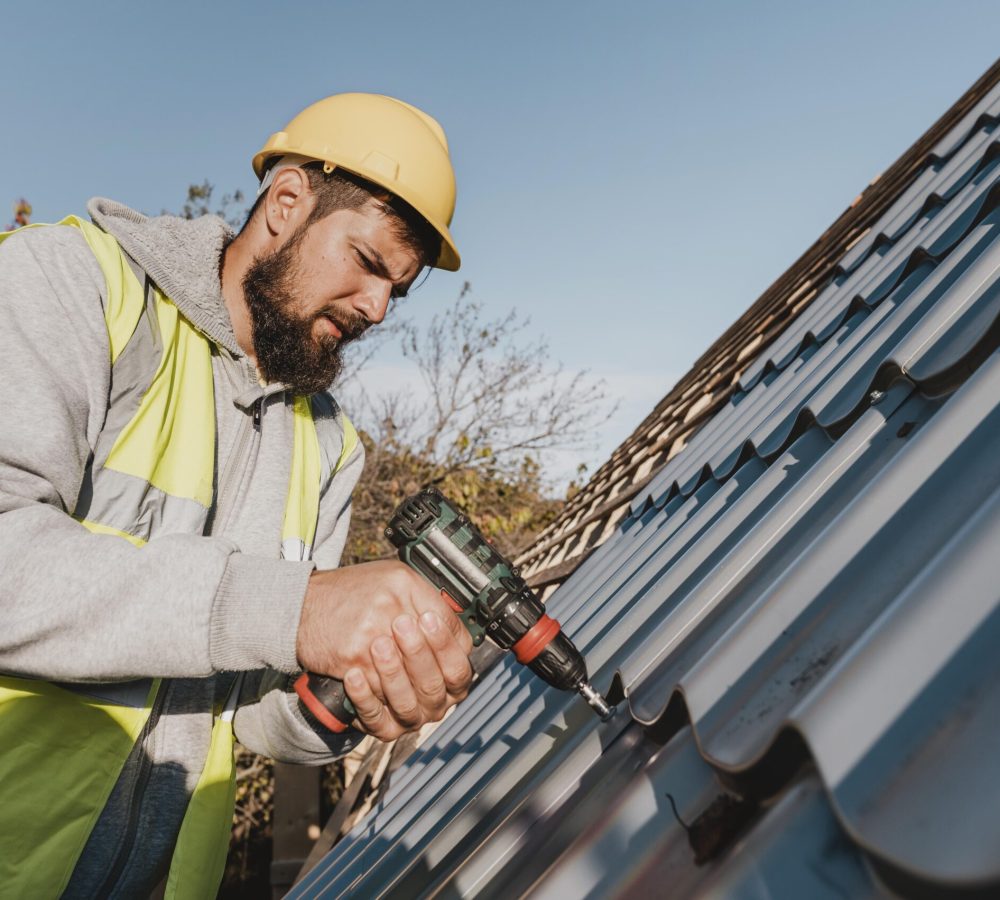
78, 606
270, 722
269, 719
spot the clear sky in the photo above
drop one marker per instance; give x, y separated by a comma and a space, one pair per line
631, 174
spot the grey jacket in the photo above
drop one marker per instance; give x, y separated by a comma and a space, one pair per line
189, 608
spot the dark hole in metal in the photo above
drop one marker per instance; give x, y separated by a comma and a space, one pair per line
719, 825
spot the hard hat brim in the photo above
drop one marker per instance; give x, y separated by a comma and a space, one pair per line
448, 259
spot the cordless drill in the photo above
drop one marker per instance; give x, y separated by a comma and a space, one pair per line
436, 539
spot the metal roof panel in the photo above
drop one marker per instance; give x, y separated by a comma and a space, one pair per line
799, 616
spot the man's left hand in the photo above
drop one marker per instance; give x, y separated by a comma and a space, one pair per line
423, 671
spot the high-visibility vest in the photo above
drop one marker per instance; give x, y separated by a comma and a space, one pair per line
63, 747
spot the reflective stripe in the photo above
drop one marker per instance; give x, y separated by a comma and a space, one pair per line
295, 549
350, 442
233, 699
131, 375
133, 508
335, 430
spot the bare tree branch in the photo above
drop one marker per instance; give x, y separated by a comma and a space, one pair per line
487, 406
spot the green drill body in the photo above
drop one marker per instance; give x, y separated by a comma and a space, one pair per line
436, 539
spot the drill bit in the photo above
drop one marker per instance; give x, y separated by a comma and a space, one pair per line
595, 701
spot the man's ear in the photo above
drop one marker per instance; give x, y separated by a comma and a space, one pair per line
289, 202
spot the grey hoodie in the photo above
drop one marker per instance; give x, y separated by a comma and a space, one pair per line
189, 608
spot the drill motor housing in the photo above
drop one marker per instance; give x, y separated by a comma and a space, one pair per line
440, 542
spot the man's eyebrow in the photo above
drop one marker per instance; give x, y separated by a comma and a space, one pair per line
379, 264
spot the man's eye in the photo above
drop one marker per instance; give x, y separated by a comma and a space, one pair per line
365, 261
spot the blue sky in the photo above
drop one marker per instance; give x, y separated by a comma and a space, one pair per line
632, 175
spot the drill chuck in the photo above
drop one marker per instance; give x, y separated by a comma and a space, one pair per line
560, 664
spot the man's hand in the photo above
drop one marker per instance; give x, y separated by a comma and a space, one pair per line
400, 650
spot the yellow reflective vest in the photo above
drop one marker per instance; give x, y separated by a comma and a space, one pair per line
152, 474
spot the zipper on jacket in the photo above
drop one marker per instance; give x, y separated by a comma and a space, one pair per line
136, 794
236, 468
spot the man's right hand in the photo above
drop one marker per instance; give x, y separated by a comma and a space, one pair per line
400, 650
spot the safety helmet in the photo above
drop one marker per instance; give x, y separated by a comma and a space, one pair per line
389, 142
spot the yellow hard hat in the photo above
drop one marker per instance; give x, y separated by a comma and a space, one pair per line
385, 140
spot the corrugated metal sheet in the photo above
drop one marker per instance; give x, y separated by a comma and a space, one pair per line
802, 608
892, 222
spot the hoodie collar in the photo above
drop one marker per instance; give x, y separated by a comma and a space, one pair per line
182, 258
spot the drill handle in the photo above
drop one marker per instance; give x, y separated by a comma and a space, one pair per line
326, 699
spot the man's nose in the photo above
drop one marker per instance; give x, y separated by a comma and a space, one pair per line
373, 301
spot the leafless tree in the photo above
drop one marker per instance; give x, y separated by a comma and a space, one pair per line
231, 207
488, 407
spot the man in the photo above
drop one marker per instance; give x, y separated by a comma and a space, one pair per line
175, 483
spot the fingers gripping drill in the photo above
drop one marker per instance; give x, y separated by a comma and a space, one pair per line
436, 539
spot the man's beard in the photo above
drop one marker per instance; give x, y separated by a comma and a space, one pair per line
283, 341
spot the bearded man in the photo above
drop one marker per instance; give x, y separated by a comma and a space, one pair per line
175, 484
